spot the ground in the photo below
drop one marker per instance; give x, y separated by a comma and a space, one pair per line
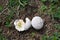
30, 11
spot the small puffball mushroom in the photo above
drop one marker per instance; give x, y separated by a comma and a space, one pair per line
20, 25
27, 24
37, 22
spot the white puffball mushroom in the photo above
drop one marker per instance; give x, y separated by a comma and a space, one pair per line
37, 22
27, 24
20, 25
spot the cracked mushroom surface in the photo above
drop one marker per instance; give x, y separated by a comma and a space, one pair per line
20, 25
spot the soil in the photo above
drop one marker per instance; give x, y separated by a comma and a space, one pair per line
30, 12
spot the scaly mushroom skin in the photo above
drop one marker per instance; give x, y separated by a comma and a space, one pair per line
37, 22
20, 25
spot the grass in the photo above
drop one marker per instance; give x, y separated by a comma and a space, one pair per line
32, 34
55, 36
20, 3
57, 26
43, 7
53, 8
1, 8
12, 6
43, 0
2, 37
8, 18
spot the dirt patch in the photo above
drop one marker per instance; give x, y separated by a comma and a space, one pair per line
30, 11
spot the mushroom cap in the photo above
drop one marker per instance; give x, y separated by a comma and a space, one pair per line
20, 25
37, 22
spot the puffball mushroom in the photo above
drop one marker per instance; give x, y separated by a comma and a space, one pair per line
37, 22
20, 25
